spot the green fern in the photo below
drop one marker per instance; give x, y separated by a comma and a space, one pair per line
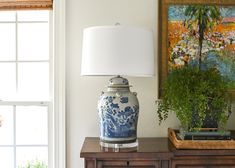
188, 90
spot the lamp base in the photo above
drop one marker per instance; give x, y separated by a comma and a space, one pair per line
118, 111
119, 145
118, 140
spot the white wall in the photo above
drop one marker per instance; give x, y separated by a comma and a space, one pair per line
83, 92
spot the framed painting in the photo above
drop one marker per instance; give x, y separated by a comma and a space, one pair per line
202, 30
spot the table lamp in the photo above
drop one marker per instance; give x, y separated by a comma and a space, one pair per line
118, 51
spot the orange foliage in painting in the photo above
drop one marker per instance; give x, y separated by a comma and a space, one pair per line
177, 28
224, 28
175, 31
230, 47
221, 28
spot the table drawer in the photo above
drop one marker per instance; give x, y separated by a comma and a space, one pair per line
128, 163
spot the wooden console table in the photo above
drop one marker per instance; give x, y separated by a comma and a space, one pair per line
154, 153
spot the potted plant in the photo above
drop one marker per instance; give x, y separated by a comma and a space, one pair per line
198, 97
195, 89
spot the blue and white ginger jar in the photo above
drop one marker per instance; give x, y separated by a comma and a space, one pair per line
118, 111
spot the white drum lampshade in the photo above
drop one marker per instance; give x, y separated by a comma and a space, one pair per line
117, 50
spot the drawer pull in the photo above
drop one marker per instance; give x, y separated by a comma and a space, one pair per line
127, 163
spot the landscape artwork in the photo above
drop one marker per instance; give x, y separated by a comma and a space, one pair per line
202, 34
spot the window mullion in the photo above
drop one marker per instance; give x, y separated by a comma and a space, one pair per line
16, 89
17, 54
24, 103
14, 134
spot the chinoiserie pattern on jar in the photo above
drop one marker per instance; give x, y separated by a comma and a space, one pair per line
118, 111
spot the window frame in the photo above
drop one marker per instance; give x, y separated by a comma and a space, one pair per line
59, 9
49, 102
59, 115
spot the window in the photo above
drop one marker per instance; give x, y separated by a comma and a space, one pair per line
26, 89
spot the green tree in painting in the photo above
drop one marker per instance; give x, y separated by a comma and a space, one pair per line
205, 18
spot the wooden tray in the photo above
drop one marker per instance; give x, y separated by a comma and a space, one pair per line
199, 144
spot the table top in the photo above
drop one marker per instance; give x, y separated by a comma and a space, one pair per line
153, 147
91, 144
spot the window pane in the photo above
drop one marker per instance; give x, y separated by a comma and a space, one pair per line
6, 127
33, 15
7, 16
7, 41
33, 80
32, 156
6, 157
33, 41
31, 125
8, 80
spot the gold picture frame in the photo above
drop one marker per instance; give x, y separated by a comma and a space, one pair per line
163, 43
